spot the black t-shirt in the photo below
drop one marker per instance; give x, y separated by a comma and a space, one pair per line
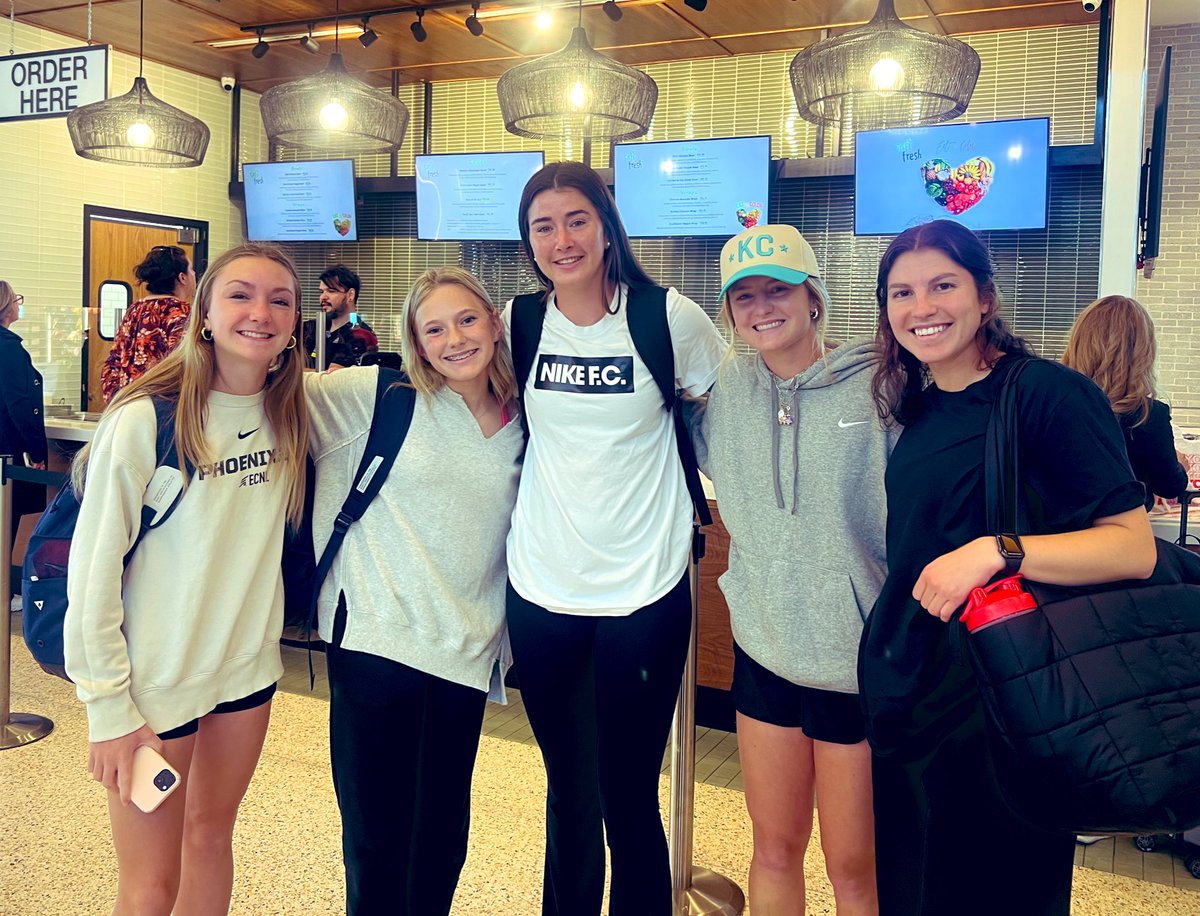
1074, 462
344, 345
1152, 452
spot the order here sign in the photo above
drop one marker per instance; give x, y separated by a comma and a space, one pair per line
51, 84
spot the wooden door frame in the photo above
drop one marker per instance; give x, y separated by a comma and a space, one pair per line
92, 211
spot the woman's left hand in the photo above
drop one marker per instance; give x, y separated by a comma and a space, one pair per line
944, 584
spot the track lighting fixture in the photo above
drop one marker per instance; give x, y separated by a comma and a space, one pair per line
697, 5
474, 26
309, 44
368, 37
612, 11
260, 50
418, 29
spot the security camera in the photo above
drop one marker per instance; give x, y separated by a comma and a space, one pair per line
228, 82
1090, 6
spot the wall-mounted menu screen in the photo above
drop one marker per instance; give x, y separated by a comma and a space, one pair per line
692, 187
472, 196
991, 175
300, 201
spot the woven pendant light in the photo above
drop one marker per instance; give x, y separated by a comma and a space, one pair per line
137, 128
577, 92
884, 74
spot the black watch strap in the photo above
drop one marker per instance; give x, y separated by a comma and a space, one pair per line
1013, 552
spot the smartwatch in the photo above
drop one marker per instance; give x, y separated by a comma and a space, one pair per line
1012, 551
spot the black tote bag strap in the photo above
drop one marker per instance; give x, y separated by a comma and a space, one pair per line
1002, 462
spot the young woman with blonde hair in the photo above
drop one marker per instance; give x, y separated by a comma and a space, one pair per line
1112, 343
179, 649
413, 609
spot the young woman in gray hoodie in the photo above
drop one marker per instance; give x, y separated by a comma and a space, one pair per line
797, 455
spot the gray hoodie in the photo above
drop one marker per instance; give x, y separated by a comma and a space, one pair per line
805, 509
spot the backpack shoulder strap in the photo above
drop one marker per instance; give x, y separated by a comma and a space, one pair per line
154, 514
646, 314
525, 333
395, 401
1001, 462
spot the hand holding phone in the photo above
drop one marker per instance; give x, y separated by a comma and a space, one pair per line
153, 779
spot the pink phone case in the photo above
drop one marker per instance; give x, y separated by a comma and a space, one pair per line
153, 779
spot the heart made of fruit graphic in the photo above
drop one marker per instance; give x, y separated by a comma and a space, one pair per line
960, 188
341, 222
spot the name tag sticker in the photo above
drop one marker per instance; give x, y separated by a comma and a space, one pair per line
165, 487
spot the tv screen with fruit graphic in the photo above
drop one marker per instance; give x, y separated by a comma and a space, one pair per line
675, 188
309, 201
988, 175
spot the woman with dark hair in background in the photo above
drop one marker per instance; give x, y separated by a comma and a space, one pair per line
945, 353
1112, 343
599, 611
22, 430
155, 323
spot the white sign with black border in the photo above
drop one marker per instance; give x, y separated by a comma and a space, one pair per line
51, 84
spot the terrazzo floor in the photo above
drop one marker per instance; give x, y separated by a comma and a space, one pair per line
55, 858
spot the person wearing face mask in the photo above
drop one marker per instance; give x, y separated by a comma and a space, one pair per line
22, 429
347, 336
154, 325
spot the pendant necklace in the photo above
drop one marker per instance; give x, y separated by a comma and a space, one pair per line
785, 387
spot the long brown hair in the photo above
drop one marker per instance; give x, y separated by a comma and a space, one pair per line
899, 376
620, 263
1112, 343
424, 377
185, 376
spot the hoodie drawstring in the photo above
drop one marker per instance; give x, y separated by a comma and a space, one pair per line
775, 412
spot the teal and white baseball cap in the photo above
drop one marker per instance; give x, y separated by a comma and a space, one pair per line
773, 250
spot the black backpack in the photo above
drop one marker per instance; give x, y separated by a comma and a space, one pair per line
44, 572
646, 314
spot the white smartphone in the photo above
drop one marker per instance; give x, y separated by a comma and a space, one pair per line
153, 779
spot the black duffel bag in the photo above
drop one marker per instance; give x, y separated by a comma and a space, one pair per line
1092, 693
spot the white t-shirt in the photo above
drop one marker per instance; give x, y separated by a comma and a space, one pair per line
603, 517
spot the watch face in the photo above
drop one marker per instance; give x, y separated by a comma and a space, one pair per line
1010, 545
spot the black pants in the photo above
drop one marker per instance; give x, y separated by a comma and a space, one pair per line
948, 845
403, 746
600, 693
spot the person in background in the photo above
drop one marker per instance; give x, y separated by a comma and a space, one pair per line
153, 325
179, 650
1112, 343
413, 611
796, 456
22, 427
347, 335
945, 352
599, 608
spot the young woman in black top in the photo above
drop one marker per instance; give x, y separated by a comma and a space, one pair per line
1112, 343
945, 354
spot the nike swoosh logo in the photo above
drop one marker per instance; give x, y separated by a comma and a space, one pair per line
842, 424
253, 431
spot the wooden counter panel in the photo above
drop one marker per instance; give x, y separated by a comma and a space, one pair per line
714, 661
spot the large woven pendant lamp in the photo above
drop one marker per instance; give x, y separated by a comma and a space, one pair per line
577, 92
884, 74
333, 108
137, 128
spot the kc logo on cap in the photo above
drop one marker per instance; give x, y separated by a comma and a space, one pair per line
774, 250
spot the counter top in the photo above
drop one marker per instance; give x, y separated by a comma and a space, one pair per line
71, 429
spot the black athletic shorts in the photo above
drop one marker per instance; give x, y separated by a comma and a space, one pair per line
824, 715
254, 700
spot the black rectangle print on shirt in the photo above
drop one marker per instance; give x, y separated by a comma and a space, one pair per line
584, 374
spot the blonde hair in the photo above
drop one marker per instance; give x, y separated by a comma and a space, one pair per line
423, 376
818, 296
185, 376
8, 299
1112, 343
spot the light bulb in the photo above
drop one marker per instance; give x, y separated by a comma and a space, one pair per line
578, 95
140, 134
334, 116
887, 75
544, 20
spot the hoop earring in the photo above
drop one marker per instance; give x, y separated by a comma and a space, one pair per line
273, 365
291, 343
814, 314
206, 333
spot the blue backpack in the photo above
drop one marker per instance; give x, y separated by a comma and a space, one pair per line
44, 572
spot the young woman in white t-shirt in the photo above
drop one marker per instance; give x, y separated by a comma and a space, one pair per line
599, 608
179, 650
413, 608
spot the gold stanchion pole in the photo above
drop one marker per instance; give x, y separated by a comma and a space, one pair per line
695, 891
16, 728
